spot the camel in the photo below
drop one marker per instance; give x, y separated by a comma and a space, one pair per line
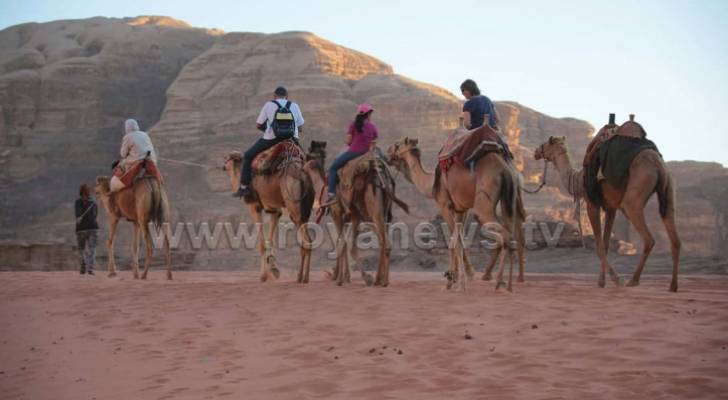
143, 203
647, 175
458, 190
288, 188
374, 206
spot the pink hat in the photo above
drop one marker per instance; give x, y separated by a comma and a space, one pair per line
364, 108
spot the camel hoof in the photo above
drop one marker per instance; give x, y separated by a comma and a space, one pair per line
368, 279
276, 273
329, 275
169, 276
673, 287
264, 277
136, 276
602, 282
111, 274
633, 283
520, 279
500, 285
487, 277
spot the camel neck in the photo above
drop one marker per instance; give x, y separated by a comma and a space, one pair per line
423, 180
318, 181
570, 177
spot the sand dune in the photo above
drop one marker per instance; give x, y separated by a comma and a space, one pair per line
224, 335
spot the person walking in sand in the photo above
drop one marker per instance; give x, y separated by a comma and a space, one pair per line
87, 229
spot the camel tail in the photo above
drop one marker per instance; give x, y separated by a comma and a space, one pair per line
665, 193
438, 181
508, 194
308, 197
158, 212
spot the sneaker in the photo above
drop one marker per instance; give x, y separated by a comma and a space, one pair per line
90, 272
330, 200
82, 271
242, 192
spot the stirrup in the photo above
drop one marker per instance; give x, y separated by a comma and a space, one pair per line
329, 202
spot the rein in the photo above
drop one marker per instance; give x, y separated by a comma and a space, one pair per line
543, 180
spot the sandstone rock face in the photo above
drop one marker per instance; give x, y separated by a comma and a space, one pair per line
66, 86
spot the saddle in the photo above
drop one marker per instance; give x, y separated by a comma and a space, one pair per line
463, 146
140, 169
628, 129
610, 154
370, 167
272, 160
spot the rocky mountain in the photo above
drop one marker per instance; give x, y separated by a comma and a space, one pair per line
67, 86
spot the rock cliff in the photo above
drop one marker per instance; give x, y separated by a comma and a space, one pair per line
66, 86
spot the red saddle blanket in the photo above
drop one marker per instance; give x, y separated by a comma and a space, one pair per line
279, 155
139, 169
464, 145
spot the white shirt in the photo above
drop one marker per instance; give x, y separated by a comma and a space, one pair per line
269, 111
135, 146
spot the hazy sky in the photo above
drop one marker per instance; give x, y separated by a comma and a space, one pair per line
666, 61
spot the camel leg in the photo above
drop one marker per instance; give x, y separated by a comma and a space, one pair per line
168, 256
469, 271
270, 258
487, 275
610, 214
148, 246
113, 224
521, 250
136, 234
675, 244
305, 254
510, 270
501, 265
636, 216
354, 252
594, 214
257, 216
380, 226
452, 266
378, 206
341, 261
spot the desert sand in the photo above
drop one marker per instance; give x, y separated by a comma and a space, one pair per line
209, 335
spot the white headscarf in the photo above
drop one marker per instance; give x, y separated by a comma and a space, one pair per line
131, 125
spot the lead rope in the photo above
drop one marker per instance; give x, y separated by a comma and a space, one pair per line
543, 180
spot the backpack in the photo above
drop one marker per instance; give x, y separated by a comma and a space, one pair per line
283, 124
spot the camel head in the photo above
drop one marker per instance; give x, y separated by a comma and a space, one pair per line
232, 163
102, 187
316, 151
397, 153
549, 150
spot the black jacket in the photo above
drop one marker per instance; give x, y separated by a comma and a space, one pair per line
88, 222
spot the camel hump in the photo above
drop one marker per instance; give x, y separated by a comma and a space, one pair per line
278, 156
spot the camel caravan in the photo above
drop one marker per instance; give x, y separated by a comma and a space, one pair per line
474, 174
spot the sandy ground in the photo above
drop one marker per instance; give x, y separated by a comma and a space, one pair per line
209, 335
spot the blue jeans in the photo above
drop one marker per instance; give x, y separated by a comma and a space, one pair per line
258, 147
338, 163
86, 241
